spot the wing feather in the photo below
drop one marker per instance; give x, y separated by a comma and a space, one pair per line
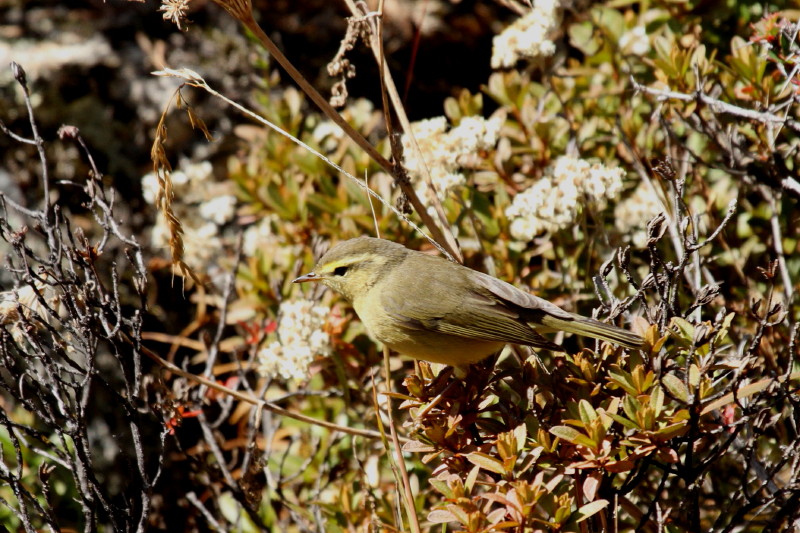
495, 308
498, 311
524, 302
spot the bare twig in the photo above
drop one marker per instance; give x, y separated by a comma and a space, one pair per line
261, 404
718, 106
411, 510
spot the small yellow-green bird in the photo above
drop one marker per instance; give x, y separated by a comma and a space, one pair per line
428, 308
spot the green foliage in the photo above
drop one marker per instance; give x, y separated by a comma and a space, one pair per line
602, 434
695, 247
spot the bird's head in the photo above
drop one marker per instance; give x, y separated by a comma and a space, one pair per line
354, 266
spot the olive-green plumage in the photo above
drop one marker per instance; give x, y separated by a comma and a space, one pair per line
428, 308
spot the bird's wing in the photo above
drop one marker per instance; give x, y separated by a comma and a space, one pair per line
541, 314
490, 317
523, 302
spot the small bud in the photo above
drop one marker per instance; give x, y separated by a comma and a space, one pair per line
414, 386
19, 73
606, 268
68, 132
656, 229
623, 257
663, 168
44, 472
403, 204
707, 294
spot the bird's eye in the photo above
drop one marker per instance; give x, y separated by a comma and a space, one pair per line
340, 271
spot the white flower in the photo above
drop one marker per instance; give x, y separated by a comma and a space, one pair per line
25, 299
327, 128
632, 214
178, 178
197, 172
257, 236
23, 303
219, 209
159, 235
206, 231
474, 133
554, 202
528, 36
260, 240
201, 244
445, 152
361, 111
428, 128
603, 183
328, 135
635, 41
287, 362
301, 339
150, 188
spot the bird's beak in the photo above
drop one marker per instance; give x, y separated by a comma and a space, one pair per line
311, 276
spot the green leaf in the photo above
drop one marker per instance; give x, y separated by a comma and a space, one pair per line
682, 329
622, 379
631, 406
624, 421
694, 376
742, 392
663, 47
723, 331
676, 387
442, 487
521, 434
673, 430
451, 109
611, 20
459, 514
581, 36
415, 446
441, 516
487, 462
588, 510
471, 478
587, 412
657, 400
572, 435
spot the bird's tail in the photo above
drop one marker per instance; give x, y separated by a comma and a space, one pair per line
589, 327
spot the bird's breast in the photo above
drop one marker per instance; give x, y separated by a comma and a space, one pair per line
418, 342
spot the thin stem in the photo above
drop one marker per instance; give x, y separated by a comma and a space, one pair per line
388, 87
438, 233
411, 510
261, 404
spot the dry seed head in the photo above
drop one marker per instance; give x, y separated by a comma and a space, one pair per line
239, 9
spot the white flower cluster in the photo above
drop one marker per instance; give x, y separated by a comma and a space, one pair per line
528, 36
553, 202
302, 337
632, 214
446, 152
196, 192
